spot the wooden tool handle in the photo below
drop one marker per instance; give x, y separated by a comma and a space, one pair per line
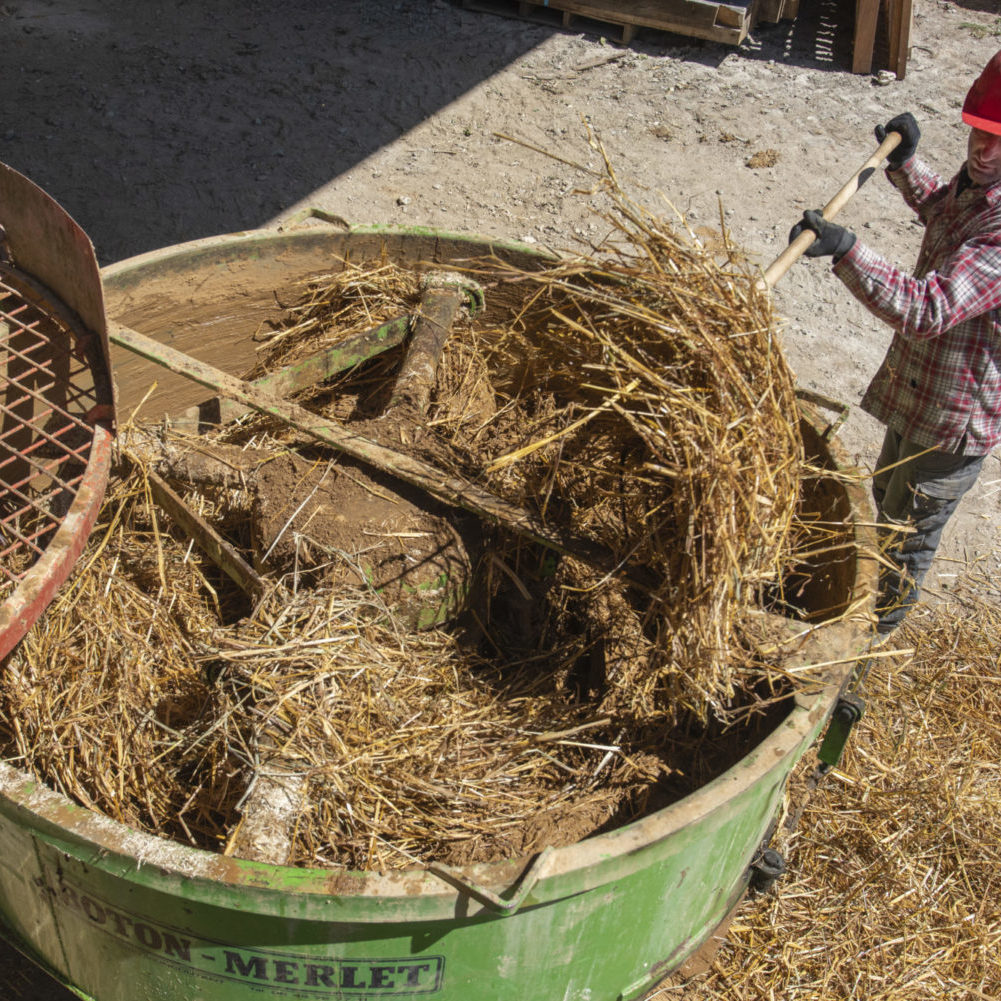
798, 247
432, 326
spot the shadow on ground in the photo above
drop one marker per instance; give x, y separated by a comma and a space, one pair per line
156, 124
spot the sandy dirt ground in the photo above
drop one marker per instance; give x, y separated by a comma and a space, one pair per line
155, 124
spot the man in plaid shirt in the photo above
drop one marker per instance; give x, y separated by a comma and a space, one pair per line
938, 390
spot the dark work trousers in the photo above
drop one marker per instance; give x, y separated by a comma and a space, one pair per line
919, 490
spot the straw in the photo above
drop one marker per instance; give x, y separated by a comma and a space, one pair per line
892, 889
636, 396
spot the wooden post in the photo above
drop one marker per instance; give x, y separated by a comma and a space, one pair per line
864, 42
901, 12
442, 296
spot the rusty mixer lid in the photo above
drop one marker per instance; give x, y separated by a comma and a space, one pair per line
47, 244
56, 400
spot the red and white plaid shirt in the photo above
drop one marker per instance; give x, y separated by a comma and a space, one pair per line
940, 382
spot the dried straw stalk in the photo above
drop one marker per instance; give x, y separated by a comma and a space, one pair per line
134, 700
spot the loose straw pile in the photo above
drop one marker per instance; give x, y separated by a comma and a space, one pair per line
99, 696
653, 410
636, 398
131, 698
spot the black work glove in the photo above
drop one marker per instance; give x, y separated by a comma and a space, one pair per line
832, 240
909, 136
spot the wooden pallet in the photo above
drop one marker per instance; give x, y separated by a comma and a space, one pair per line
715, 20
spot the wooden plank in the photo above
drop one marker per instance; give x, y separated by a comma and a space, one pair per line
208, 539
771, 10
901, 12
715, 21
731, 17
452, 489
303, 374
864, 42
663, 15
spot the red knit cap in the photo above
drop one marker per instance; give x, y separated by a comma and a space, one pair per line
982, 107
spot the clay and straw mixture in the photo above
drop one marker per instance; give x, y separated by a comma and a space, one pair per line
634, 398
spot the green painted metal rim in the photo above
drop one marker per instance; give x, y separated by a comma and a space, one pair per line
195, 873
236, 245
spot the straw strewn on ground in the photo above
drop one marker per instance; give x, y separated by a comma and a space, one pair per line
894, 885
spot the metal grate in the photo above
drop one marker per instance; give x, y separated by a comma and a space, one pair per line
55, 412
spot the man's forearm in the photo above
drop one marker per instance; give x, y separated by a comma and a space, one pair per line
920, 186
